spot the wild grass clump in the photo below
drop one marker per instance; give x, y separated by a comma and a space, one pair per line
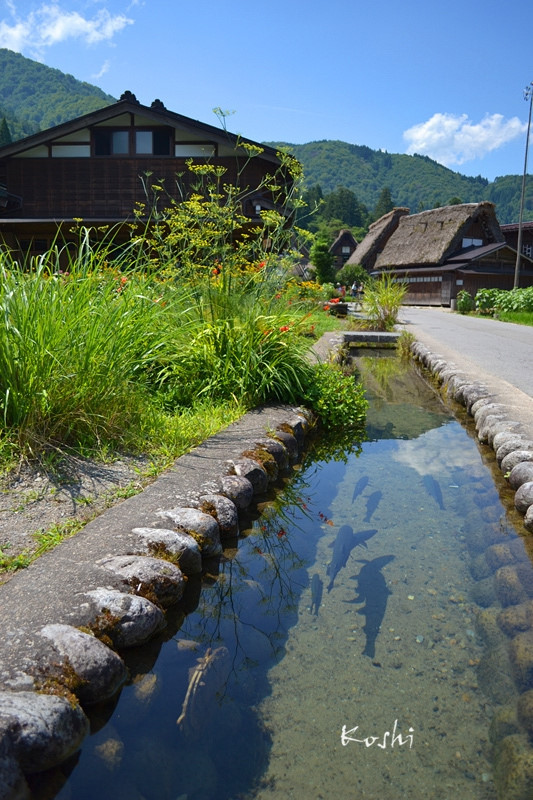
382, 302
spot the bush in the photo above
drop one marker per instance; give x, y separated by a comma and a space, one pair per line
382, 301
465, 302
491, 301
338, 399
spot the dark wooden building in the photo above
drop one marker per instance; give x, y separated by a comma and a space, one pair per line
440, 252
510, 232
342, 248
92, 168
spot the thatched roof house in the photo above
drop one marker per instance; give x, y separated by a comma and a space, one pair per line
378, 234
433, 236
440, 252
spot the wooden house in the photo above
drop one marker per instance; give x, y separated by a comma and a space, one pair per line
92, 169
510, 232
440, 252
378, 234
342, 248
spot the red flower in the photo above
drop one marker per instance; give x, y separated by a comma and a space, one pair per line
261, 265
284, 328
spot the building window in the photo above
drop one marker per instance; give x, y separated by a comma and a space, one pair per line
472, 243
527, 250
156, 142
119, 143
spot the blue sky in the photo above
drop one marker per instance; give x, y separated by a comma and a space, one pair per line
440, 79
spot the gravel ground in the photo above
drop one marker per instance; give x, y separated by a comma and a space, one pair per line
32, 499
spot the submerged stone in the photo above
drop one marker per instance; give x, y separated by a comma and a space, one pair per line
508, 587
521, 655
524, 709
513, 768
516, 619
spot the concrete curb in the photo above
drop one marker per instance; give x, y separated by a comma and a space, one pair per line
110, 586
497, 425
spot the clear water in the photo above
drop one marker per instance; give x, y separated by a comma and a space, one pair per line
403, 654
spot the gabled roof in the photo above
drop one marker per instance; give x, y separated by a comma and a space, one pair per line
376, 238
432, 237
344, 235
128, 103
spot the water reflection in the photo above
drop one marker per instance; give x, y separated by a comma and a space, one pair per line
425, 634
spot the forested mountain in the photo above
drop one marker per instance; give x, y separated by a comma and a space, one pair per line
34, 97
416, 181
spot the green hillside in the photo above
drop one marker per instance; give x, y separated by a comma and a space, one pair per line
34, 97
416, 181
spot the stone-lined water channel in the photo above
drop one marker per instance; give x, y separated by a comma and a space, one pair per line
368, 636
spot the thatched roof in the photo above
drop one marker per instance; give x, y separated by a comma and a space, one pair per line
376, 238
432, 237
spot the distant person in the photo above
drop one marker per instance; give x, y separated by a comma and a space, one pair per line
342, 291
354, 288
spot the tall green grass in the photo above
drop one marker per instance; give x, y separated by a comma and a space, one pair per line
100, 358
76, 349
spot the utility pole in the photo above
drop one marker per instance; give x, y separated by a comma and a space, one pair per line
528, 95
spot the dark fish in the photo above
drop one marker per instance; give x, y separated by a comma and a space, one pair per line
371, 504
433, 489
373, 592
359, 487
316, 593
342, 547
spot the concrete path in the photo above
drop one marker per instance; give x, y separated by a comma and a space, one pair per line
499, 354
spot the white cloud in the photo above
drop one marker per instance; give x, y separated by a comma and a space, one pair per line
452, 139
102, 71
51, 24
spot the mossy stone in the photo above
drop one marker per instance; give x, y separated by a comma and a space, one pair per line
524, 709
513, 768
508, 587
504, 723
516, 619
499, 555
521, 654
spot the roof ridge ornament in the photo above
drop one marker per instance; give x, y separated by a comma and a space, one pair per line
157, 105
129, 96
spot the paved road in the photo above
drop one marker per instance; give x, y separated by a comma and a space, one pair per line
502, 349
497, 353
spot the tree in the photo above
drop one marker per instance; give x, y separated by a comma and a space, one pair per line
343, 204
5, 135
384, 204
322, 260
